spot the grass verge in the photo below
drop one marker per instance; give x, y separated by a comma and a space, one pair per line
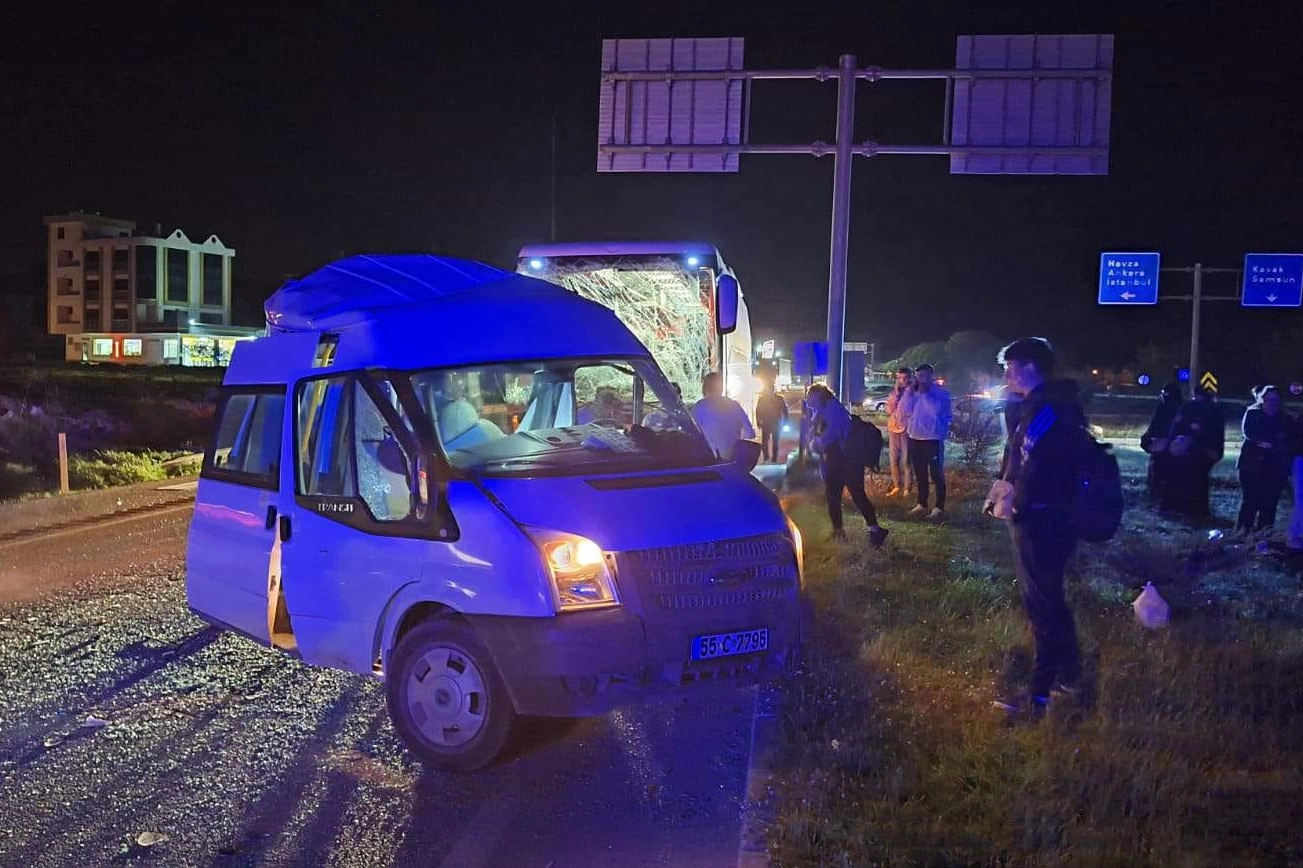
1188, 754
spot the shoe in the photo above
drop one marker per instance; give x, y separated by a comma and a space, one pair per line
936, 514
1023, 708
893, 491
877, 536
920, 509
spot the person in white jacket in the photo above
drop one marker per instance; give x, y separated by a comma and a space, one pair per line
926, 408
720, 418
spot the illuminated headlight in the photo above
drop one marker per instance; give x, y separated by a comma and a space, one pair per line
578, 569
799, 546
536, 264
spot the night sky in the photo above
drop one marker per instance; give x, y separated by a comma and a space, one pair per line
299, 134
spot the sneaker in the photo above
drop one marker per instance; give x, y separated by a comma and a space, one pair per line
877, 536
893, 491
920, 509
936, 514
1023, 708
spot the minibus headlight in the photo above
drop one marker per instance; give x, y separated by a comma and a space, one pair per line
799, 545
577, 566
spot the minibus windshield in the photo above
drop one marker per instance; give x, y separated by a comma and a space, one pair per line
560, 416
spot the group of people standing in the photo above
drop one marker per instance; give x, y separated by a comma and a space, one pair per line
1035, 491
918, 423
1186, 440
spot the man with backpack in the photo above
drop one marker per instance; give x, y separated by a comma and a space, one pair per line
1043, 461
845, 449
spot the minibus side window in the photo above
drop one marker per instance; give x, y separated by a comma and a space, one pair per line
381, 484
324, 459
246, 448
345, 448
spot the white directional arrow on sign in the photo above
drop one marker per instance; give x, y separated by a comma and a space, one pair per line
1272, 297
1128, 295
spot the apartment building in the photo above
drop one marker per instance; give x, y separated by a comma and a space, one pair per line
117, 295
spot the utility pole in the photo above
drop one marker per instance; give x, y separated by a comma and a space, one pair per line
1196, 299
841, 220
1196, 302
553, 199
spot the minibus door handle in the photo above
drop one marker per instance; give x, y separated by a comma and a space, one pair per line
271, 517
285, 528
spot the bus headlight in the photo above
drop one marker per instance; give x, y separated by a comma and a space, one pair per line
578, 568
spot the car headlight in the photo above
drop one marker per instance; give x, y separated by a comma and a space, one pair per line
577, 566
799, 545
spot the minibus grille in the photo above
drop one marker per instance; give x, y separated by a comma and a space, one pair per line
752, 570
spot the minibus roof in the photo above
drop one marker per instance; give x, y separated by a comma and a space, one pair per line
420, 311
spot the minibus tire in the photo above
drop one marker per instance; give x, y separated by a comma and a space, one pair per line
456, 643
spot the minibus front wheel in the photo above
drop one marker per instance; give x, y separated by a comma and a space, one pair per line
446, 698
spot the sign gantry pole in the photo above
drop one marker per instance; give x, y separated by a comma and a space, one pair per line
1015, 105
841, 222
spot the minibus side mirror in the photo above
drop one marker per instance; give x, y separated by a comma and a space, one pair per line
746, 454
727, 298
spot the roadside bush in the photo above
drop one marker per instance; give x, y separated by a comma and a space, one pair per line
108, 468
978, 433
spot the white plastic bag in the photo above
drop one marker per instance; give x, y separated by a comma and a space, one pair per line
1151, 609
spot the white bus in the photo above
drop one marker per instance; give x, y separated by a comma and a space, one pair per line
667, 294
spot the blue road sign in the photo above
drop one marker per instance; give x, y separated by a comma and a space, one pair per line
1128, 278
1183, 375
1272, 280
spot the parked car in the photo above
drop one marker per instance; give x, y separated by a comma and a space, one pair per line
875, 398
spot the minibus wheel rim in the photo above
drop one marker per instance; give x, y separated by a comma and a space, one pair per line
448, 697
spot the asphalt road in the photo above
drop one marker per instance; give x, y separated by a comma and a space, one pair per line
131, 731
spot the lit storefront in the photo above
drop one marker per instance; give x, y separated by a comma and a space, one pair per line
185, 350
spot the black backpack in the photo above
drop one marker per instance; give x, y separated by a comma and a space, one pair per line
1097, 501
865, 442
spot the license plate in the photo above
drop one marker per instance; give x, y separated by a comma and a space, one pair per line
728, 644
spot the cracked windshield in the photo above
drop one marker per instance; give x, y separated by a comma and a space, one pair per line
564, 414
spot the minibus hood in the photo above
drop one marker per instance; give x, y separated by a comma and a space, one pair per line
639, 511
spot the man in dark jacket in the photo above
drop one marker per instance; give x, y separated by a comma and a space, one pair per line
1040, 463
771, 413
1198, 443
1156, 439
